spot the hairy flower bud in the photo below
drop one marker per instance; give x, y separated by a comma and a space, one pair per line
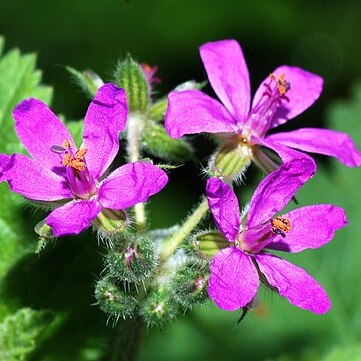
113, 299
189, 285
159, 308
130, 76
132, 260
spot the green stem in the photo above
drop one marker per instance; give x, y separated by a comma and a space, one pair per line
126, 347
174, 241
134, 137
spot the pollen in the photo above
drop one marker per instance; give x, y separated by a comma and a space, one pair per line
280, 225
66, 144
282, 85
79, 155
67, 160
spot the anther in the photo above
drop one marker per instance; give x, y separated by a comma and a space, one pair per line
280, 226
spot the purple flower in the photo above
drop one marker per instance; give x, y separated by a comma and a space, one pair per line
286, 93
236, 270
73, 180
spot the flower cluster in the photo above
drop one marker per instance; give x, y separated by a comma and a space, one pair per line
76, 184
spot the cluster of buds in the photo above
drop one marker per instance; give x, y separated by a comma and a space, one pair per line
156, 275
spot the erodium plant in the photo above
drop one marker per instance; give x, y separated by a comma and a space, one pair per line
151, 277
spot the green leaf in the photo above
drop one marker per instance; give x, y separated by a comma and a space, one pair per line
158, 143
18, 80
20, 333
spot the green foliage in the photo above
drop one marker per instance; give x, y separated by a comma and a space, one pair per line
20, 333
19, 80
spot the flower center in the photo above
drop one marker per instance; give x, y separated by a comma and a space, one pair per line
273, 97
80, 181
253, 240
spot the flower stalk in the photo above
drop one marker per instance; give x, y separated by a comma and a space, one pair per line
134, 135
174, 241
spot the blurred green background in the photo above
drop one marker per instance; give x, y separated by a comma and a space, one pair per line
320, 36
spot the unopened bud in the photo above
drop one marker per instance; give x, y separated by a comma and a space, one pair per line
159, 308
132, 260
189, 285
130, 76
113, 299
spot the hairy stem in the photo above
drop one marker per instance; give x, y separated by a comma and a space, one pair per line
174, 241
127, 344
134, 137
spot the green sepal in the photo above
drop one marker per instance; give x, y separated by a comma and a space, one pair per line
111, 222
130, 76
156, 141
208, 243
230, 161
158, 109
114, 300
88, 81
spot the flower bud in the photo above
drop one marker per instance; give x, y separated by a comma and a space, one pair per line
159, 308
208, 243
230, 161
132, 260
189, 285
113, 300
130, 76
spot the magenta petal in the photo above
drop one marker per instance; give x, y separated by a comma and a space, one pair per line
105, 118
234, 279
130, 184
224, 206
193, 112
293, 283
305, 89
73, 218
285, 153
276, 190
312, 227
28, 178
323, 141
228, 74
39, 129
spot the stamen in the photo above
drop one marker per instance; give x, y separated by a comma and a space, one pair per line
282, 85
79, 155
66, 144
280, 225
66, 161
